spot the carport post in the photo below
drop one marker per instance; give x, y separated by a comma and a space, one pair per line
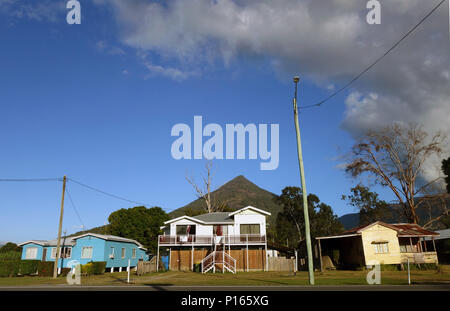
320, 255
409, 274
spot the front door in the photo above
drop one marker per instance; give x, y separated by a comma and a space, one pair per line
44, 254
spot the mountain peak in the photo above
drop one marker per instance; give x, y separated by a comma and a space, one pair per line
237, 193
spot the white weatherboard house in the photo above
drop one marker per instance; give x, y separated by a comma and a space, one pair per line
225, 240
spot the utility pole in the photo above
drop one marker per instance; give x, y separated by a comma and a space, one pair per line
58, 243
305, 196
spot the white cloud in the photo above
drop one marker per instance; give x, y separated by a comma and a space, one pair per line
170, 72
327, 42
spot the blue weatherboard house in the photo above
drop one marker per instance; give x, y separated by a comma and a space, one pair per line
116, 251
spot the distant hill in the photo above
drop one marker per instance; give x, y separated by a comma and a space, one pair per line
237, 193
98, 230
351, 220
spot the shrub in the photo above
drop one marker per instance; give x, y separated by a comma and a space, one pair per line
28, 267
99, 267
94, 267
87, 268
45, 268
9, 268
10, 256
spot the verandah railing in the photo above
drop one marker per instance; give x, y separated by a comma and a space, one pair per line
240, 239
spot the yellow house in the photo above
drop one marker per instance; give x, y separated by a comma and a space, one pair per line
379, 243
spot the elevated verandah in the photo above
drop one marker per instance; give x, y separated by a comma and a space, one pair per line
243, 252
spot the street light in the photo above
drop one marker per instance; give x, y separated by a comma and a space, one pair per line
305, 196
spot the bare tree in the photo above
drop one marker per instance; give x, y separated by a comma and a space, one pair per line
204, 192
395, 157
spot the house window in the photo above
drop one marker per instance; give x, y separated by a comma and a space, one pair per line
66, 252
111, 254
381, 248
86, 252
123, 253
134, 253
220, 230
185, 229
31, 253
250, 229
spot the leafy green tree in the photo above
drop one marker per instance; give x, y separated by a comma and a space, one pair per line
371, 208
446, 170
290, 223
138, 223
10, 247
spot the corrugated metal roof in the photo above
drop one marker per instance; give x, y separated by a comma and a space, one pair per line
412, 229
218, 217
402, 229
443, 234
70, 241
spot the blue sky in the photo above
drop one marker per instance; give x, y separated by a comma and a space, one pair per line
81, 101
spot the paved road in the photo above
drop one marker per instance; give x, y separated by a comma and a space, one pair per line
444, 287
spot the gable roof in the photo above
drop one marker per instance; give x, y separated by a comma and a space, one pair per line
402, 229
252, 208
67, 241
71, 241
110, 238
217, 217
184, 217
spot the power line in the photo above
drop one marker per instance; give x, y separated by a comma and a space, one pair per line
376, 61
29, 179
81, 184
75, 209
108, 194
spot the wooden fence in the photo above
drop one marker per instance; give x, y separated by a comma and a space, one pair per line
280, 264
144, 267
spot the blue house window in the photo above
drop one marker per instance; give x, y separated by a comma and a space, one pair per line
66, 252
123, 253
86, 252
111, 255
134, 253
31, 253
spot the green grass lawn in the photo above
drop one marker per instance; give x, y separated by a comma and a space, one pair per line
242, 278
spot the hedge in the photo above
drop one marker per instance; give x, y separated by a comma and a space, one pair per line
45, 268
9, 268
28, 267
94, 267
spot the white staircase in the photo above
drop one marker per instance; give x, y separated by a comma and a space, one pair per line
220, 259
